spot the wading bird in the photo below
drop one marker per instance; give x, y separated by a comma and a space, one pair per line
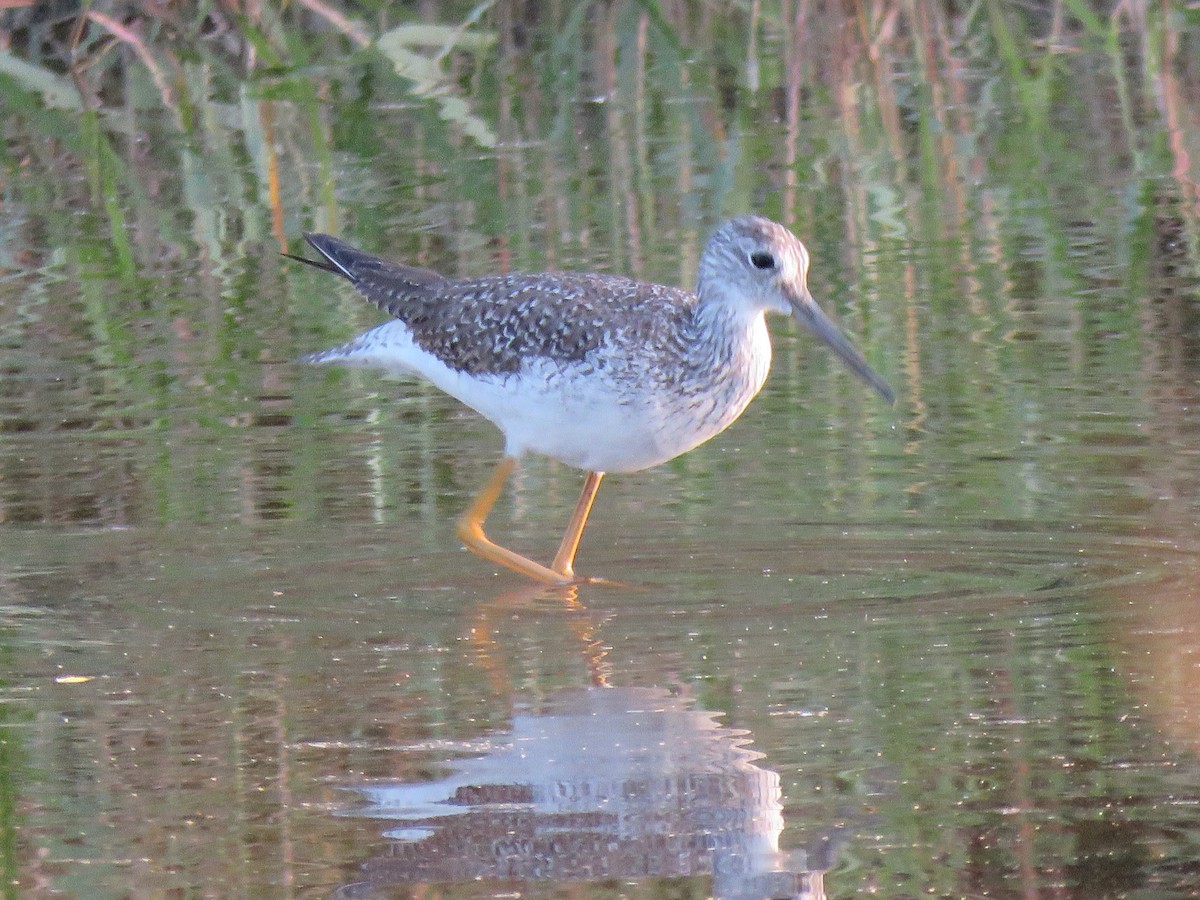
602, 373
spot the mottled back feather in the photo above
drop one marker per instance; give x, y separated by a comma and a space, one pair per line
492, 324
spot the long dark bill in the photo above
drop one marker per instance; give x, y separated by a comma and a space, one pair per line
814, 319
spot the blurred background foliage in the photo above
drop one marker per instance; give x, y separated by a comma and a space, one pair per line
909, 106
1001, 198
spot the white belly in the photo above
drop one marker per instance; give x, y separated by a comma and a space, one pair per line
573, 414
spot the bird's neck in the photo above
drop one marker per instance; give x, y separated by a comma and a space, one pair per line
729, 332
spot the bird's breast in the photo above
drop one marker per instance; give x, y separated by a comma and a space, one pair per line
634, 412
722, 377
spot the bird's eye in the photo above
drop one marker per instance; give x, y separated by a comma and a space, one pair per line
762, 260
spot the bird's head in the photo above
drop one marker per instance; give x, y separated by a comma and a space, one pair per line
755, 265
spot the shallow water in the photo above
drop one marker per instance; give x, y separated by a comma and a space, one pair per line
949, 648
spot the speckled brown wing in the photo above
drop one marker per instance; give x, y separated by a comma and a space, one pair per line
491, 325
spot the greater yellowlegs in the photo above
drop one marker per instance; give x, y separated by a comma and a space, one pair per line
602, 373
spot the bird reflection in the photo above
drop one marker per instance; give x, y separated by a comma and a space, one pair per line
599, 782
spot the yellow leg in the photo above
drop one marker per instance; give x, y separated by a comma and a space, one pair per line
564, 560
470, 532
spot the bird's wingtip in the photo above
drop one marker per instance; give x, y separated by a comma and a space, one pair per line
329, 247
318, 239
315, 263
